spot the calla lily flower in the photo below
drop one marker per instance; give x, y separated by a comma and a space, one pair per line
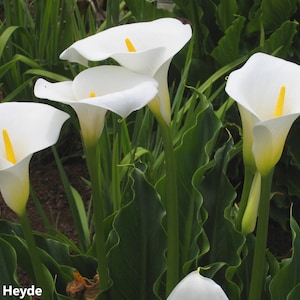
26, 128
195, 287
267, 91
96, 90
146, 47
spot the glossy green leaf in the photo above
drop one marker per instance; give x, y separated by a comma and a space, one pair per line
281, 40
243, 271
6, 67
225, 241
288, 278
275, 12
228, 48
137, 260
5, 36
8, 264
46, 74
196, 148
20, 247
226, 11
18, 90
145, 10
294, 293
76, 204
131, 158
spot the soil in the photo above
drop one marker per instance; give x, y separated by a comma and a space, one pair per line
47, 185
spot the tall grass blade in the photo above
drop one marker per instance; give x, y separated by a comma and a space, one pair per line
76, 206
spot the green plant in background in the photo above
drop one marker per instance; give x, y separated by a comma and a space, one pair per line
202, 130
33, 34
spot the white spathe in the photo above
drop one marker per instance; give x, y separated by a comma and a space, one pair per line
155, 42
197, 287
31, 127
256, 88
96, 90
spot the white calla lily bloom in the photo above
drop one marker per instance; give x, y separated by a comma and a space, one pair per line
145, 47
267, 91
196, 287
96, 90
26, 128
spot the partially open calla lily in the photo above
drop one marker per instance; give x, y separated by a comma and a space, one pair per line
267, 90
145, 47
195, 287
96, 90
251, 211
25, 129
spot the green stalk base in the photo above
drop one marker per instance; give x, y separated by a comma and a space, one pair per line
259, 262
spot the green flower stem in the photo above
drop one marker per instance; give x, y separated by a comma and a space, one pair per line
38, 269
172, 208
244, 198
259, 261
93, 162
